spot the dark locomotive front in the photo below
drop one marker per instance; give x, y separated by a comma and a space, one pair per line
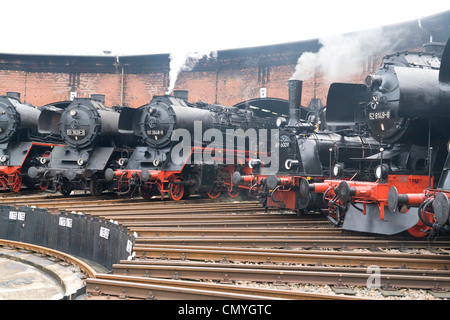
21, 146
90, 131
183, 146
401, 105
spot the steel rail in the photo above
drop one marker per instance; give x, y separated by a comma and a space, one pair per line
342, 242
150, 232
280, 267
280, 277
160, 289
86, 268
281, 256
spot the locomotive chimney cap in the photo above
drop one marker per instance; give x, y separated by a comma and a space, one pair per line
98, 97
15, 95
181, 94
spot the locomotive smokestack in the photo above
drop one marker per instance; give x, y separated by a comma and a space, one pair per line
435, 47
295, 99
181, 94
99, 97
15, 95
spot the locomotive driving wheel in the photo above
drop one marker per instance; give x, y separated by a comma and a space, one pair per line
96, 186
424, 226
146, 192
44, 185
176, 190
215, 192
15, 181
3, 182
65, 187
232, 191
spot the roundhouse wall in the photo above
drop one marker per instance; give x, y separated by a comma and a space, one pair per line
231, 77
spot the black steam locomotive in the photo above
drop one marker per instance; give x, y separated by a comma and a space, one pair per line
186, 148
92, 141
21, 145
432, 204
305, 153
402, 106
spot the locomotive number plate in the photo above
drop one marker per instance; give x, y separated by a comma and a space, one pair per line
76, 132
155, 132
379, 115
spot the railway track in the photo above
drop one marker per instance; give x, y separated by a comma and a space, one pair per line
201, 249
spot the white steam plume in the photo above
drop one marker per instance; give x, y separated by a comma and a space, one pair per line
185, 61
342, 56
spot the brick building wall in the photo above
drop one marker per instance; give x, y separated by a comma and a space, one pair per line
231, 77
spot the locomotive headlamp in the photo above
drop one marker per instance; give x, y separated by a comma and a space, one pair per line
73, 112
381, 171
156, 162
123, 161
253, 163
43, 160
373, 80
4, 158
83, 159
290, 164
338, 170
281, 122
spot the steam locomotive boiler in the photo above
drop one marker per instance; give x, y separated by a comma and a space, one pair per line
306, 153
92, 141
21, 146
184, 147
403, 106
432, 203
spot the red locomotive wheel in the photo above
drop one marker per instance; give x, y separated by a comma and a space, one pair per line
43, 185
214, 193
176, 190
145, 192
233, 192
3, 183
419, 230
16, 180
425, 224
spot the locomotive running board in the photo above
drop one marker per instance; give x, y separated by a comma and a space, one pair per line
393, 223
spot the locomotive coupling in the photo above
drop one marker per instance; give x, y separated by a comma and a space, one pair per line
109, 174
395, 199
237, 179
345, 192
34, 172
305, 188
273, 181
144, 174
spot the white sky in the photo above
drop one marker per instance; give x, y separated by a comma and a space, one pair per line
147, 27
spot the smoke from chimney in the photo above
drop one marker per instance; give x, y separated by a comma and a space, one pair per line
185, 61
342, 56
